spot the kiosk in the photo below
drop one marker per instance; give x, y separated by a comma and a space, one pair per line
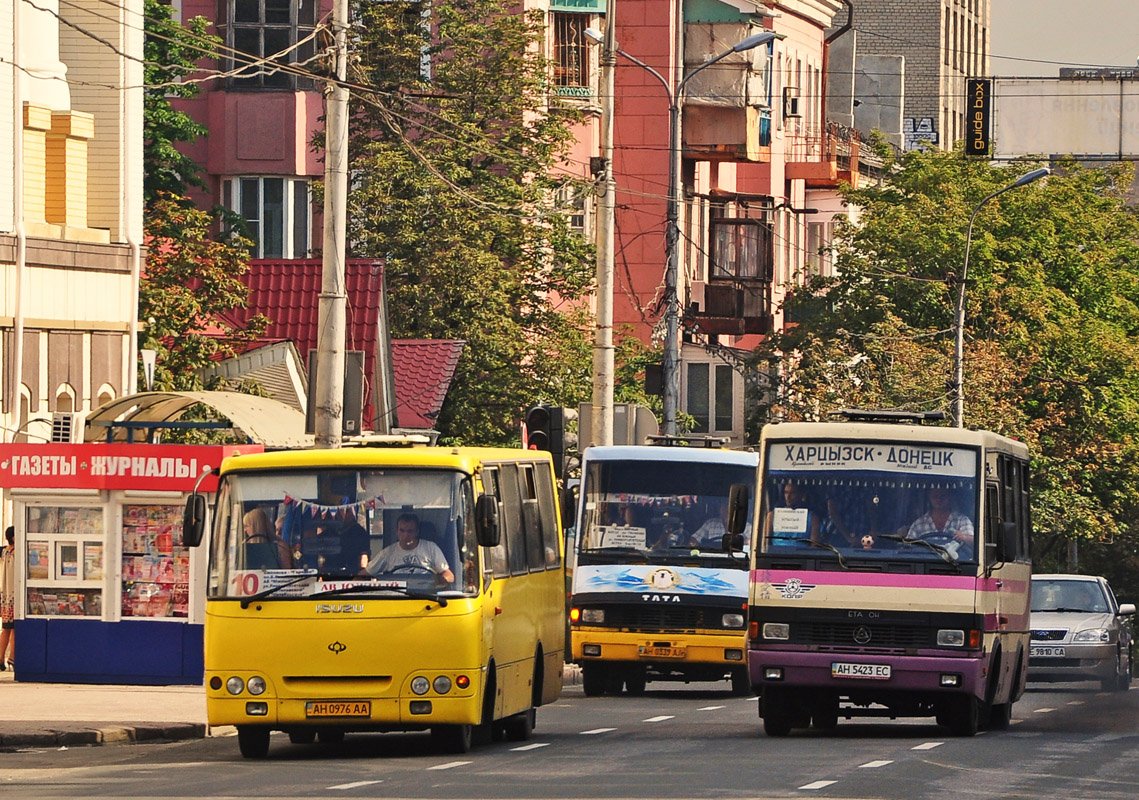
105, 592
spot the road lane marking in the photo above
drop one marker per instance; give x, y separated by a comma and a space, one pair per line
661, 718
874, 764
1075, 702
525, 747
353, 785
817, 785
450, 765
928, 745
596, 731
710, 708
1043, 710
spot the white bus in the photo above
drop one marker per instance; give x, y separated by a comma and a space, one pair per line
890, 573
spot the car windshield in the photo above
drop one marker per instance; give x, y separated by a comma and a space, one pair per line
1068, 596
392, 532
649, 510
851, 500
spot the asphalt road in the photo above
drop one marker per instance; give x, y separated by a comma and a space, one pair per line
674, 742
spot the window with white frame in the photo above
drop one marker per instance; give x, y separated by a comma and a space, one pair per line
572, 201
276, 212
259, 29
818, 253
710, 395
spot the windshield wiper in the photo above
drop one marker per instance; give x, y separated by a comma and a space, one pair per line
253, 598
414, 595
832, 548
942, 551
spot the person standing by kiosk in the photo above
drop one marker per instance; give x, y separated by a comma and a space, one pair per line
8, 599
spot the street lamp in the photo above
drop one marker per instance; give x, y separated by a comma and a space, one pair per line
959, 326
670, 373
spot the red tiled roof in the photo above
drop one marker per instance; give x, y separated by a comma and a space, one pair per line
288, 291
423, 372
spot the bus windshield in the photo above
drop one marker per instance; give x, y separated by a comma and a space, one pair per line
656, 509
849, 499
390, 532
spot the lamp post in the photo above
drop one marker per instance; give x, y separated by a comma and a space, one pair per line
959, 326
670, 373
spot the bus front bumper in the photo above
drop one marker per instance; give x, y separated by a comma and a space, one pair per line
855, 672
641, 647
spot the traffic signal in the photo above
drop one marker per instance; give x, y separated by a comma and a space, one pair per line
546, 430
538, 428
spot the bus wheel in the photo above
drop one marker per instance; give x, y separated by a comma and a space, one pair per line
452, 738
593, 679
1000, 717
253, 741
302, 736
635, 682
741, 684
519, 726
964, 717
824, 715
777, 713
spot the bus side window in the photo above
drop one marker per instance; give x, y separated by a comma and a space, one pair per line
547, 514
491, 481
511, 519
535, 555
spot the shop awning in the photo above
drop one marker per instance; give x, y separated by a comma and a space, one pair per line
261, 420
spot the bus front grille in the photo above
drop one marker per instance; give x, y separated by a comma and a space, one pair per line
666, 619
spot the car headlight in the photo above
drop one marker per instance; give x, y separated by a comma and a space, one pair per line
780, 631
1093, 635
256, 685
732, 620
420, 684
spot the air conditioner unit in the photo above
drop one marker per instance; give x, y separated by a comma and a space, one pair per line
67, 427
791, 108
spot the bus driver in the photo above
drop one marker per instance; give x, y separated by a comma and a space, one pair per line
411, 551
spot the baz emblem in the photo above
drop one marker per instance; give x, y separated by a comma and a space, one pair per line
337, 648
793, 589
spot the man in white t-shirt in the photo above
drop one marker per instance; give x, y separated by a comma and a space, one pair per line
410, 550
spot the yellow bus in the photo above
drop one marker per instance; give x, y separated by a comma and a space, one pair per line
381, 588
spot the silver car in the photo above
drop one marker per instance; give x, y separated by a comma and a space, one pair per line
1079, 632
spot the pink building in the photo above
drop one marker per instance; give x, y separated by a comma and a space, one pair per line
760, 165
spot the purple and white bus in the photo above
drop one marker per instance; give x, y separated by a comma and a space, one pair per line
890, 573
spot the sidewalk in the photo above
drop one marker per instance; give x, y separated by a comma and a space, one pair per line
71, 714
58, 714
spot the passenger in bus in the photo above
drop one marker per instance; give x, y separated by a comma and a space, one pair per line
942, 521
806, 523
265, 549
409, 552
711, 533
834, 528
335, 544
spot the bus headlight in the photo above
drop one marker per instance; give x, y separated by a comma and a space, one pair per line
256, 685
235, 685
732, 620
950, 638
594, 616
420, 685
442, 684
779, 631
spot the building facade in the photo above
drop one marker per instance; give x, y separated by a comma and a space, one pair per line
70, 211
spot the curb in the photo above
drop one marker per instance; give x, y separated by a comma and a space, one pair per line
51, 734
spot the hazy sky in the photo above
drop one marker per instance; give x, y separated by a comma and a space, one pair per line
1036, 37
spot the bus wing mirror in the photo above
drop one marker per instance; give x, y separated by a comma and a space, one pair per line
1126, 609
486, 521
738, 496
1009, 540
194, 520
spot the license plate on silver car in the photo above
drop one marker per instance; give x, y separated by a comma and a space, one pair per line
840, 669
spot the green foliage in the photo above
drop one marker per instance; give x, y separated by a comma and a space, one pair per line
1052, 318
170, 51
191, 280
454, 187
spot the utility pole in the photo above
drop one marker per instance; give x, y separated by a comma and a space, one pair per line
331, 314
601, 423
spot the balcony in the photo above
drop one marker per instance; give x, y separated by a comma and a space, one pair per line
730, 309
726, 109
825, 160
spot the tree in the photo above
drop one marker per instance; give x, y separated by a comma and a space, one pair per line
455, 171
1052, 319
191, 276
170, 51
